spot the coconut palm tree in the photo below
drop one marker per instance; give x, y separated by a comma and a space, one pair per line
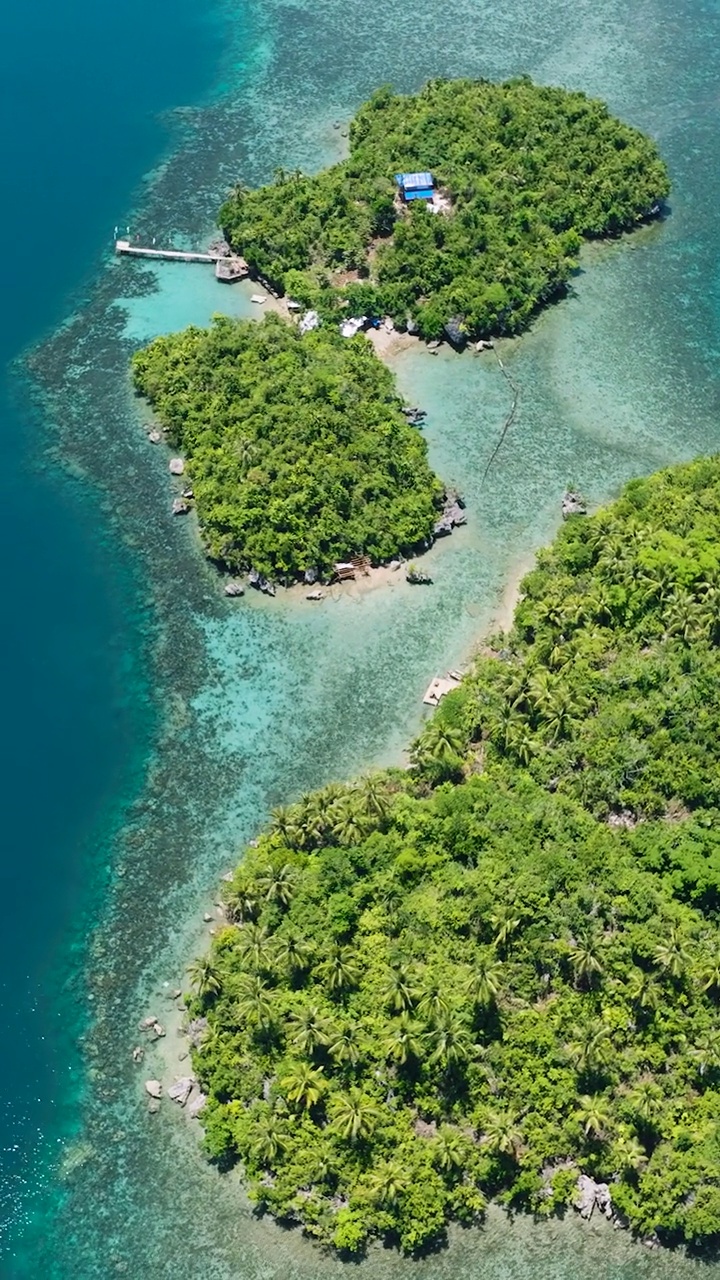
403, 1041
644, 990
277, 884
593, 1114
399, 990
254, 1004
293, 953
372, 791
354, 1116
484, 984
505, 920
628, 1153
348, 820
204, 977
340, 970
243, 901
502, 1134
256, 948
706, 1052
344, 1045
387, 1182
284, 821
672, 956
647, 1101
449, 1149
309, 1029
439, 745
451, 1041
267, 1140
304, 1086
586, 962
709, 972
521, 744
592, 1051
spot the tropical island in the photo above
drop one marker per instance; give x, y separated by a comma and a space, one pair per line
520, 175
496, 974
298, 449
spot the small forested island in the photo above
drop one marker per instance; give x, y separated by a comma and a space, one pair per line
500, 969
521, 174
297, 447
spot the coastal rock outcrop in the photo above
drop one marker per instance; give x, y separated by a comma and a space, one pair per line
181, 1089
260, 583
180, 507
154, 1088
591, 1195
176, 466
573, 504
196, 1030
197, 1105
234, 589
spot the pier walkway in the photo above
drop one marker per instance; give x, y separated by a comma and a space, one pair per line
227, 266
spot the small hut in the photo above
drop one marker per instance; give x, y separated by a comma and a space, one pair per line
415, 186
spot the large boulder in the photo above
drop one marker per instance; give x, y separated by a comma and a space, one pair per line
180, 1091
154, 1088
455, 332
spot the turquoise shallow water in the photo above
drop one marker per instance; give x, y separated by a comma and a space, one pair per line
257, 701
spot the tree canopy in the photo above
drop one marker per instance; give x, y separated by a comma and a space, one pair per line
486, 974
296, 445
528, 171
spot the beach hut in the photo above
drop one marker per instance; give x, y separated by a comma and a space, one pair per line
415, 186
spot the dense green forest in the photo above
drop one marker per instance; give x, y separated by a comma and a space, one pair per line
480, 976
528, 172
296, 445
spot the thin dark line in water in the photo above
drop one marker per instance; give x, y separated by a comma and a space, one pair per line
508, 421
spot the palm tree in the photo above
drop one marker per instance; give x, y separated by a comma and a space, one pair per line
284, 822
304, 1085
243, 902
372, 791
644, 990
672, 956
348, 821
354, 1116
592, 1113
256, 948
204, 977
340, 970
684, 617
403, 1041
706, 1052
277, 884
709, 972
440, 745
313, 820
448, 1149
484, 984
398, 991
505, 920
646, 1101
592, 1051
585, 960
451, 1041
387, 1182
267, 1142
502, 1134
310, 1029
628, 1153
344, 1045
521, 744
293, 953
254, 1004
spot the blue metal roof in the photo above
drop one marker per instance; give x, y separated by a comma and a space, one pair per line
425, 194
413, 181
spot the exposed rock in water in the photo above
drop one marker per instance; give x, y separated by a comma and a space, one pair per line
138, 1054
180, 1091
176, 466
310, 577
154, 1088
260, 583
573, 504
158, 1030
315, 595
155, 437
180, 507
455, 332
234, 589
197, 1105
147, 1023
417, 578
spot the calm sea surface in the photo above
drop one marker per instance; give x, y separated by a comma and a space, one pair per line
148, 723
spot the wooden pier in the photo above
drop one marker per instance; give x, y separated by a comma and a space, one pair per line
228, 267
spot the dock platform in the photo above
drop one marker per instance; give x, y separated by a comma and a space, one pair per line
228, 267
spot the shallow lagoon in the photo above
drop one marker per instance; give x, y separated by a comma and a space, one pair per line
261, 700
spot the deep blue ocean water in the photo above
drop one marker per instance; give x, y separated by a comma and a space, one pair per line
81, 87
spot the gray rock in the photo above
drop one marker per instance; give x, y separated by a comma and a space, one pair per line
455, 332
180, 507
197, 1105
181, 1089
147, 1023
176, 466
573, 504
592, 1194
154, 1088
153, 1107
138, 1054
158, 1030
154, 437
310, 577
196, 1030
234, 589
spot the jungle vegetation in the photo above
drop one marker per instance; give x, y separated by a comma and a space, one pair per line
480, 976
529, 172
296, 445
